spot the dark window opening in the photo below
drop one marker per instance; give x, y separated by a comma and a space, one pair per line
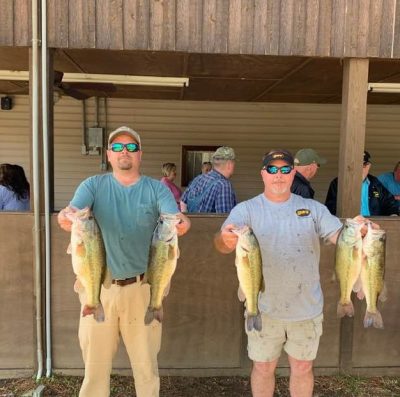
192, 159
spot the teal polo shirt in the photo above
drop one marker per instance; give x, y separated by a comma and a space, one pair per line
127, 217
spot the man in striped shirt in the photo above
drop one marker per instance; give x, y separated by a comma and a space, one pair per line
212, 192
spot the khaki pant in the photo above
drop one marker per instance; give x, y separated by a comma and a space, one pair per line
300, 339
124, 309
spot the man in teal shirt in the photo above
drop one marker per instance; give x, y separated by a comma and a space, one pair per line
391, 181
126, 206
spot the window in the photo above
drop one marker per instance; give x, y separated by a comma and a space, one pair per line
192, 159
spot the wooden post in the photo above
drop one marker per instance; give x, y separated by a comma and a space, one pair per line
352, 136
352, 139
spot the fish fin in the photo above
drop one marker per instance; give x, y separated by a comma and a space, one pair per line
167, 288
373, 319
107, 278
98, 312
356, 253
357, 285
171, 252
69, 249
254, 322
153, 314
334, 277
360, 294
345, 309
80, 249
383, 294
241, 295
78, 286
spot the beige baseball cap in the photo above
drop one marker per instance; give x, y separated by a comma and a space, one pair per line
124, 131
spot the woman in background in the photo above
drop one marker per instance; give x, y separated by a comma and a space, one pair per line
14, 188
169, 174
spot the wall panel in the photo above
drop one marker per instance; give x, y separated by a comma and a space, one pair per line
341, 28
250, 128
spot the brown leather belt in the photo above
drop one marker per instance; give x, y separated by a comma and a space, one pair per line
128, 281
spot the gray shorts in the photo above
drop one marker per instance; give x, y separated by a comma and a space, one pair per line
300, 339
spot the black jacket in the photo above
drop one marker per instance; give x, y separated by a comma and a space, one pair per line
380, 200
302, 187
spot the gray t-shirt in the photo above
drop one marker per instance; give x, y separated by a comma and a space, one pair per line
288, 234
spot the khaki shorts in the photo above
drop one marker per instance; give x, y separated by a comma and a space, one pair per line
300, 339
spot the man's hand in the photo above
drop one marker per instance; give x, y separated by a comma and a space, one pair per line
184, 225
225, 241
64, 222
364, 221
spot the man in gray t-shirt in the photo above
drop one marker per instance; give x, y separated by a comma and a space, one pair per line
288, 228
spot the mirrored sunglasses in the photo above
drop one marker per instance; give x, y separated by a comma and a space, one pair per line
119, 147
273, 169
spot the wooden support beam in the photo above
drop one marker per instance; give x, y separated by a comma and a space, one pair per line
351, 148
352, 136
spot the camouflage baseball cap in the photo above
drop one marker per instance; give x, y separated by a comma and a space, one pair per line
308, 156
224, 153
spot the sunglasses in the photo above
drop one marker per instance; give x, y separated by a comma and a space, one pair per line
273, 169
119, 147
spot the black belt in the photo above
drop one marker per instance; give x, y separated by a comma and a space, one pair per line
127, 281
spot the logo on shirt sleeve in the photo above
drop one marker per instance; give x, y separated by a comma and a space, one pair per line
303, 212
375, 193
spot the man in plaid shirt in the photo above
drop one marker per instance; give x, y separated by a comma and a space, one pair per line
212, 192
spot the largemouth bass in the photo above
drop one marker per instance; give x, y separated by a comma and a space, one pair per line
164, 254
249, 270
88, 261
372, 273
348, 264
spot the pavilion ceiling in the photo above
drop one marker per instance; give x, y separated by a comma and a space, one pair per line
211, 77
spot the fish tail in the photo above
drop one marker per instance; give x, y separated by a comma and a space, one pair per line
153, 314
97, 311
254, 322
373, 319
345, 309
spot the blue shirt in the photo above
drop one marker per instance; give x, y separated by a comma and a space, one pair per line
127, 217
10, 202
390, 183
219, 198
364, 211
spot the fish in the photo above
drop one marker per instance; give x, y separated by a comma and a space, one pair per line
164, 253
249, 271
372, 275
348, 262
88, 261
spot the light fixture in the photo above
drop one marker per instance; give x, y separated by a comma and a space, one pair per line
117, 79
393, 88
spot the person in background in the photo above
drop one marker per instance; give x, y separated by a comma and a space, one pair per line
375, 198
288, 229
391, 181
169, 174
206, 167
127, 206
306, 164
212, 192
14, 188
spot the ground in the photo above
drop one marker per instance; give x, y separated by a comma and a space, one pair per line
122, 386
